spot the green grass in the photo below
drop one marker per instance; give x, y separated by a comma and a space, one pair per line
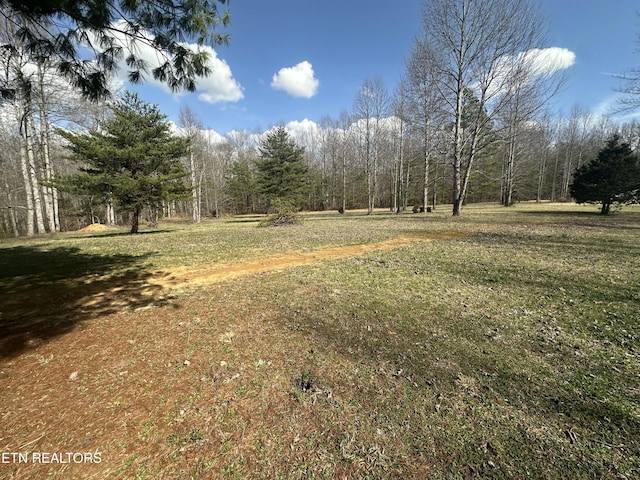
511, 352
216, 241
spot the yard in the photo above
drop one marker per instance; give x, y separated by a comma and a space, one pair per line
501, 344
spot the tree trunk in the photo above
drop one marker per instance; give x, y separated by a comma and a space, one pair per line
51, 193
24, 166
457, 166
216, 202
400, 174
344, 181
554, 178
33, 175
606, 207
111, 214
369, 174
457, 205
508, 173
458, 130
11, 210
405, 200
434, 193
541, 174
567, 173
14, 223
195, 192
425, 190
135, 221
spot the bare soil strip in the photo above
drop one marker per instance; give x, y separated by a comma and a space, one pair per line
184, 277
23, 309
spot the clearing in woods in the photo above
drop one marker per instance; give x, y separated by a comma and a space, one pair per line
503, 344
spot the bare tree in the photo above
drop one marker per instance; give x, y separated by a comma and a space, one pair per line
477, 42
532, 82
423, 106
546, 129
15, 62
217, 156
630, 89
573, 139
344, 125
37, 93
44, 100
192, 126
371, 106
400, 110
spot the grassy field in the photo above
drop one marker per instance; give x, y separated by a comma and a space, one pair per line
501, 344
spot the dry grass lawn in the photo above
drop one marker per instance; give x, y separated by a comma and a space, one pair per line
502, 344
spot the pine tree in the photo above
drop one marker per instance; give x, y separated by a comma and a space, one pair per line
612, 177
241, 186
84, 39
282, 173
132, 158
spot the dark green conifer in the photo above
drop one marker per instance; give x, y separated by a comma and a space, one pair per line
131, 158
282, 172
613, 177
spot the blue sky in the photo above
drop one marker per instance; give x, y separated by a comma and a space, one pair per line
322, 51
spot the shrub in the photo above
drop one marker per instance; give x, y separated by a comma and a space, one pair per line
281, 212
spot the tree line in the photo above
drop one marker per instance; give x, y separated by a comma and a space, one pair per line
469, 121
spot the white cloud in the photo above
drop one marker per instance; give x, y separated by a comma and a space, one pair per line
547, 61
306, 133
213, 137
297, 81
220, 86
301, 128
526, 68
531, 64
210, 135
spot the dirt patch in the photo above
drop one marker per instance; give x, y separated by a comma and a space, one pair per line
150, 389
34, 312
24, 298
183, 277
94, 228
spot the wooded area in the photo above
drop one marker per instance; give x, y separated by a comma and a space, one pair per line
469, 121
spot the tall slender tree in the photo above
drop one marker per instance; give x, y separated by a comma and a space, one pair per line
478, 43
424, 108
193, 127
371, 105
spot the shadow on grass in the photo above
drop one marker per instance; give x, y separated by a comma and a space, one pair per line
615, 220
45, 293
119, 234
247, 220
563, 213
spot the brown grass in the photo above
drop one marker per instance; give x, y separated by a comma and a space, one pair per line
493, 353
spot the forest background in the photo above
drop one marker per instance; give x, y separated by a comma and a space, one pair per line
453, 130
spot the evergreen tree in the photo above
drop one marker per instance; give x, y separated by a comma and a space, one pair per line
282, 173
57, 30
612, 177
241, 185
132, 158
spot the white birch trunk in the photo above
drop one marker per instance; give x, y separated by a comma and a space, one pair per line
24, 167
51, 193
